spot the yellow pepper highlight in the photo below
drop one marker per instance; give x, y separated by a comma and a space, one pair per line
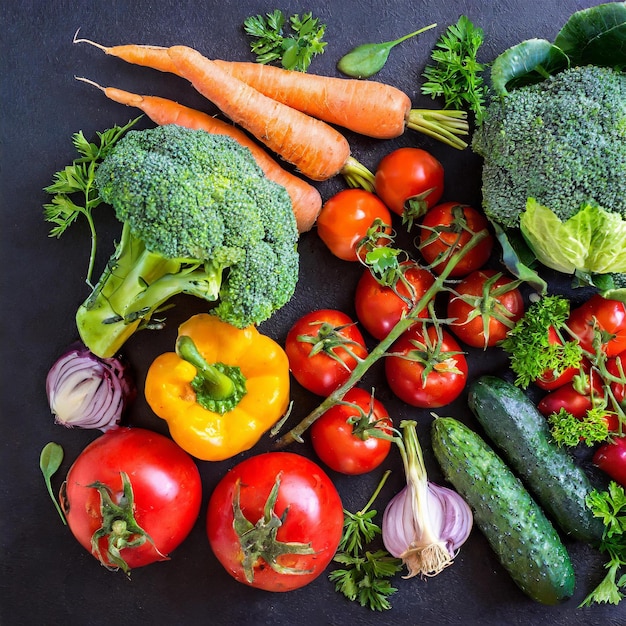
209, 435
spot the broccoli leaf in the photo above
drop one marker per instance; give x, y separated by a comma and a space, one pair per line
528, 62
596, 36
592, 240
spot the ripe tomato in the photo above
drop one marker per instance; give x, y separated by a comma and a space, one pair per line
274, 521
347, 438
611, 458
553, 379
424, 369
602, 316
321, 347
616, 366
409, 181
345, 219
380, 307
484, 306
144, 484
446, 229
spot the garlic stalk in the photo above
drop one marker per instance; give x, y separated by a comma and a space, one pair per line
424, 524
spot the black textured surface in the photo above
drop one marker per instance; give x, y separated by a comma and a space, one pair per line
47, 578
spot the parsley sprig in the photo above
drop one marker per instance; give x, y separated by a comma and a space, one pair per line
456, 74
73, 188
530, 347
271, 43
366, 574
567, 430
610, 506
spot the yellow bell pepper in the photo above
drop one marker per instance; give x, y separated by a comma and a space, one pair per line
222, 388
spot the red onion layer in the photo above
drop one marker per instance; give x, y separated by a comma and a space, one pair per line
87, 391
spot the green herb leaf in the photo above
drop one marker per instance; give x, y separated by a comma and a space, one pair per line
294, 51
568, 430
50, 460
455, 74
368, 59
530, 350
610, 506
78, 178
365, 576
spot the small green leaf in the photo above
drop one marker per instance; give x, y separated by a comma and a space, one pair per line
49, 462
368, 59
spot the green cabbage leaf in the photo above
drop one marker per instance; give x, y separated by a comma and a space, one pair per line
592, 241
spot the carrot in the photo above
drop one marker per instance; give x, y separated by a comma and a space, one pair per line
367, 107
306, 200
312, 146
155, 57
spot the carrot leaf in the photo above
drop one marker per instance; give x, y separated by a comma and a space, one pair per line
73, 188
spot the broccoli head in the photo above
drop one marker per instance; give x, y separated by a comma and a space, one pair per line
199, 217
561, 141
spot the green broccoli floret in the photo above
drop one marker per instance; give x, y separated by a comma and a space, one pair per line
200, 218
561, 141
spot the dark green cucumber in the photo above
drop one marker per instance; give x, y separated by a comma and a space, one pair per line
522, 435
523, 538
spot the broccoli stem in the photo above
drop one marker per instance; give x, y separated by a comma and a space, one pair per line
134, 285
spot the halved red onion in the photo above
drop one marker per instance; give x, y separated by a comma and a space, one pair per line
87, 391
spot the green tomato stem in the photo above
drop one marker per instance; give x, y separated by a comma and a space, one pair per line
382, 348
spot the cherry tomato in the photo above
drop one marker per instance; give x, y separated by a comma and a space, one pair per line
446, 229
321, 347
346, 438
611, 458
154, 489
345, 219
274, 521
484, 307
569, 398
409, 181
380, 307
608, 317
553, 379
426, 370
616, 366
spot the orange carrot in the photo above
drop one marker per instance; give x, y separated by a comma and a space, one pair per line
367, 107
155, 57
312, 146
306, 200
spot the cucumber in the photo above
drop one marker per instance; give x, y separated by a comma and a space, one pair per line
522, 435
524, 540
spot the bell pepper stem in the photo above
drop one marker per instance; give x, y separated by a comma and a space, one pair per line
214, 383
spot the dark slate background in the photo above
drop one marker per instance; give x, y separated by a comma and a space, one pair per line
47, 578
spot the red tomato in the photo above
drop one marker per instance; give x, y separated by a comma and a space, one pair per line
346, 437
552, 379
445, 229
380, 307
485, 306
424, 371
276, 506
345, 219
578, 398
321, 347
409, 181
616, 366
606, 316
611, 458
165, 502
568, 398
